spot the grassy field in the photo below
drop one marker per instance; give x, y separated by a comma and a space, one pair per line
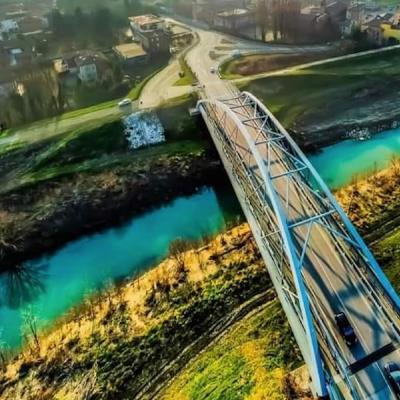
335, 93
188, 78
259, 63
93, 148
249, 362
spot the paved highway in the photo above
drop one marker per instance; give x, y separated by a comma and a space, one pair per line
330, 264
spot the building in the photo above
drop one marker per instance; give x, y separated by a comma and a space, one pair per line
355, 17
87, 69
391, 29
234, 19
131, 54
86, 66
151, 32
16, 52
8, 27
374, 29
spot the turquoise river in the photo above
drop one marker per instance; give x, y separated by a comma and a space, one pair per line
49, 286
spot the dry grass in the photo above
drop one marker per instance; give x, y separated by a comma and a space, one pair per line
373, 201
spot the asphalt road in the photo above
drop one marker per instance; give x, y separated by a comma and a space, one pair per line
333, 282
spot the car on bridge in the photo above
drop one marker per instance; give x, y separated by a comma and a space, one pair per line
393, 373
345, 329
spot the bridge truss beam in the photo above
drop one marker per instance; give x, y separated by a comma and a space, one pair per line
265, 166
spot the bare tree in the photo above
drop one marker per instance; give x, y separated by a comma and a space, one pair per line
30, 328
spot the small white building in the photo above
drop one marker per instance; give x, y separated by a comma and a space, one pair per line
87, 70
7, 27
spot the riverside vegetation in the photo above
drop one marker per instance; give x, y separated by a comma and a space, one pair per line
209, 302
57, 189
328, 100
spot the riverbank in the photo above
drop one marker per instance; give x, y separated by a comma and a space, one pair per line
189, 327
373, 202
39, 219
130, 340
323, 104
59, 189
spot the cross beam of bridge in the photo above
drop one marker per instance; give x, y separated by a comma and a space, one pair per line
318, 262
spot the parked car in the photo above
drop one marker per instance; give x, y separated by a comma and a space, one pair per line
213, 70
345, 329
393, 373
124, 102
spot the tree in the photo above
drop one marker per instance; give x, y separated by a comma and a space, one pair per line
30, 328
262, 18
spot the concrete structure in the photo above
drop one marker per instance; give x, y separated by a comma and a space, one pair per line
7, 28
316, 259
87, 70
151, 31
89, 66
234, 19
131, 54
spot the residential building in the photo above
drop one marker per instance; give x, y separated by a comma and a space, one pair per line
8, 27
374, 29
86, 66
131, 54
391, 29
151, 32
87, 70
16, 52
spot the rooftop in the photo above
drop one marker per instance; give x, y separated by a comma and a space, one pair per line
146, 19
129, 50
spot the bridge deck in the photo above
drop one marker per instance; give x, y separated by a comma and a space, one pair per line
331, 284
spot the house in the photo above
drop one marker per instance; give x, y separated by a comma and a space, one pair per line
151, 32
8, 27
374, 29
16, 52
131, 54
86, 66
355, 17
391, 29
234, 19
87, 69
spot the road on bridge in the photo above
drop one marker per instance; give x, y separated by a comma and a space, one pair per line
331, 284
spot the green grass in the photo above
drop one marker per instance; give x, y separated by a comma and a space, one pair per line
249, 361
228, 67
188, 77
136, 91
387, 253
329, 88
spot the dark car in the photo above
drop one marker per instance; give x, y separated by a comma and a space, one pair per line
345, 329
393, 373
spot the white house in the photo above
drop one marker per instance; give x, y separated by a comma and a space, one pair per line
8, 26
87, 70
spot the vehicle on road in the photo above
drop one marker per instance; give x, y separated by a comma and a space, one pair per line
213, 70
393, 373
236, 53
345, 329
124, 102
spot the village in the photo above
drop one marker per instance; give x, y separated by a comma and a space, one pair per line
47, 70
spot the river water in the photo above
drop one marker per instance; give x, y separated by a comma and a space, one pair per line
49, 286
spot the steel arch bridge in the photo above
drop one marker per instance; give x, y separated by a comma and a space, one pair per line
317, 261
